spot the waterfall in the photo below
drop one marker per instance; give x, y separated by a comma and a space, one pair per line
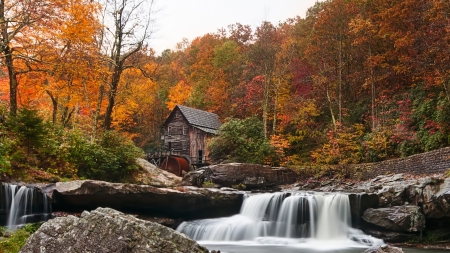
285, 216
23, 205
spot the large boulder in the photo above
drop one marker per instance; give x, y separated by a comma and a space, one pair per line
181, 202
438, 204
384, 249
107, 230
252, 176
397, 218
152, 175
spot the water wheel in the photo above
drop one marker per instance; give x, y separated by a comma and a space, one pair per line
175, 164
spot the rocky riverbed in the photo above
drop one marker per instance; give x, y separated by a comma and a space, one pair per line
397, 208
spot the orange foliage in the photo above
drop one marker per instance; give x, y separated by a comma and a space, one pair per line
178, 94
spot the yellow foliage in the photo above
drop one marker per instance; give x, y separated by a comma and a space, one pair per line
178, 94
343, 147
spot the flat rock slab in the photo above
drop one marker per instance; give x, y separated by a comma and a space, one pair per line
180, 202
253, 176
107, 230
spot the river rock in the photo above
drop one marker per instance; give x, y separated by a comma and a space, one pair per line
438, 205
154, 176
107, 230
250, 176
384, 249
393, 236
181, 202
194, 178
397, 218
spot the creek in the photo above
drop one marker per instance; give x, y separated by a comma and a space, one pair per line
285, 222
20, 205
280, 222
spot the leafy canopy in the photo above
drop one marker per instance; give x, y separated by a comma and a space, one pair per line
241, 140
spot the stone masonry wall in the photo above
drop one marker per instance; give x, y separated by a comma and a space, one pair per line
436, 161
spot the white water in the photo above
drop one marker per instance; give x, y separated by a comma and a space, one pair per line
294, 219
23, 205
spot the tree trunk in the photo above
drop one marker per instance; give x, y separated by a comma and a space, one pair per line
67, 115
340, 78
12, 86
275, 106
7, 54
55, 106
111, 98
265, 105
97, 111
330, 104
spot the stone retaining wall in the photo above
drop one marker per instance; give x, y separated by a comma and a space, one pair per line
436, 161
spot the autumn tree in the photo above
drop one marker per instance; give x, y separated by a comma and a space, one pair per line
127, 30
201, 72
330, 52
76, 66
262, 56
18, 19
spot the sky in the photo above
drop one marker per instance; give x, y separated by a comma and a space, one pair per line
178, 19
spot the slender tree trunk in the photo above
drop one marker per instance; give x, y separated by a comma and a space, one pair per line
67, 116
275, 106
12, 87
330, 104
372, 84
116, 67
265, 105
7, 54
111, 97
340, 78
97, 111
55, 106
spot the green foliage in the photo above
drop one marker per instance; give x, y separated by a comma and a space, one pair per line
27, 142
239, 186
431, 115
17, 239
29, 129
5, 151
208, 184
112, 157
241, 141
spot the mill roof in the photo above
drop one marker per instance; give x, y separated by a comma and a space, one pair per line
206, 121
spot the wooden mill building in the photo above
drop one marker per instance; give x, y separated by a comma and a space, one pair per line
187, 130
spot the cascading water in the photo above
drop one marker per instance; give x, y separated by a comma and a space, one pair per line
21, 205
284, 218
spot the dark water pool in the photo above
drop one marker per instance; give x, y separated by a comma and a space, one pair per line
248, 248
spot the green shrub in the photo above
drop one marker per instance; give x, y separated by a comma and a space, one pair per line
29, 129
6, 148
241, 141
112, 157
17, 239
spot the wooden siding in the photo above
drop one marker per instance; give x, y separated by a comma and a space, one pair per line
185, 139
199, 141
176, 131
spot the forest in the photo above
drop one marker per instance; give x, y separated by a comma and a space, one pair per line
354, 81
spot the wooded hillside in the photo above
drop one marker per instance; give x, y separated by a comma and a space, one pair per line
354, 81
